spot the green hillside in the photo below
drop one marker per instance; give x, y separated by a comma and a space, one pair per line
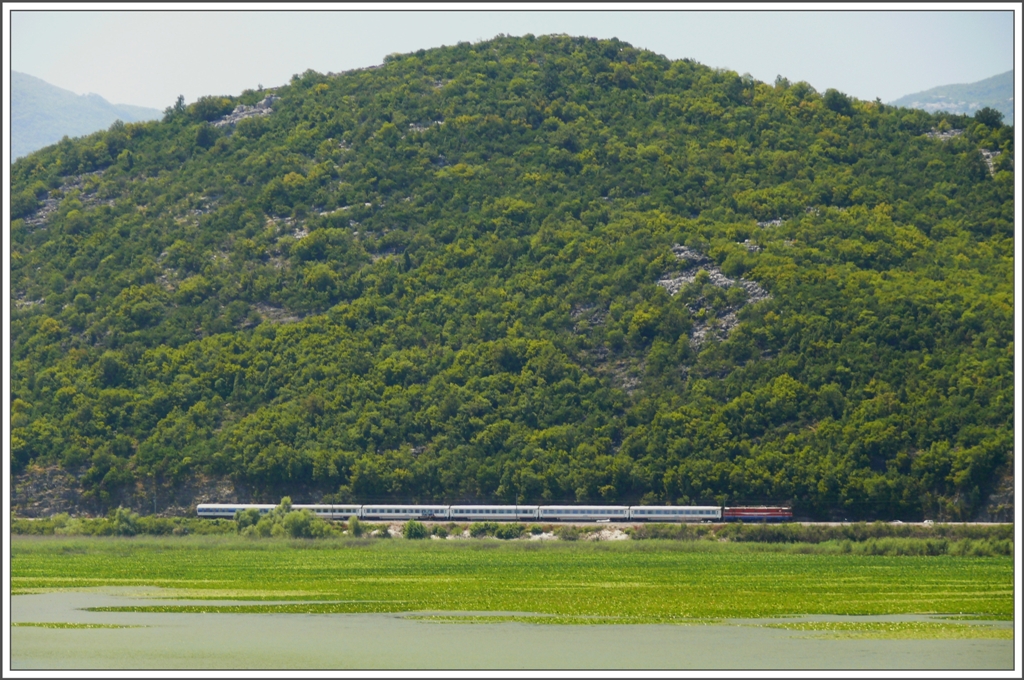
41, 114
528, 269
995, 92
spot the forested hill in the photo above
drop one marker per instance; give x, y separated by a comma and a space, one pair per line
527, 269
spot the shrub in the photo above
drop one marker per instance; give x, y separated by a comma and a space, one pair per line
480, 529
355, 527
638, 532
414, 529
124, 522
536, 529
509, 531
568, 533
264, 527
246, 518
440, 531
298, 523
35, 527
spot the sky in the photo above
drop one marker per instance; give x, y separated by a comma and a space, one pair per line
148, 58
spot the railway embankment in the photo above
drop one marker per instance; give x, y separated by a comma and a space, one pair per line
876, 538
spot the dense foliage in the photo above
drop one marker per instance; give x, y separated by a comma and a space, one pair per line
437, 280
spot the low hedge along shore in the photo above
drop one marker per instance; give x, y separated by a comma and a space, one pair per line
859, 538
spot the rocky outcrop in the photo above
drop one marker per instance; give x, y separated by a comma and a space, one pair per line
76, 183
272, 314
999, 507
943, 135
241, 112
717, 328
989, 156
44, 492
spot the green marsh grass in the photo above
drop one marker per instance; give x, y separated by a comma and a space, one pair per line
643, 581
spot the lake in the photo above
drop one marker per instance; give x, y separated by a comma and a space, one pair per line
398, 641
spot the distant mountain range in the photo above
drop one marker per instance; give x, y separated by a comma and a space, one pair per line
41, 114
995, 92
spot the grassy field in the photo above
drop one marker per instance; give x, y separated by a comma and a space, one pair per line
635, 582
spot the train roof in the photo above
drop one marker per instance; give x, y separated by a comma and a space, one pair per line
477, 505
406, 505
675, 507
236, 505
584, 507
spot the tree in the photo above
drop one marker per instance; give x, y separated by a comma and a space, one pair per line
989, 117
838, 102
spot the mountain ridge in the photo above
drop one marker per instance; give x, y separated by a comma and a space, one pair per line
41, 114
995, 92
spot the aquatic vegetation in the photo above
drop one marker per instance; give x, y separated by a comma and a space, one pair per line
58, 624
898, 630
638, 582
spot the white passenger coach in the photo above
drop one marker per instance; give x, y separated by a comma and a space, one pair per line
676, 513
493, 513
584, 513
427, 512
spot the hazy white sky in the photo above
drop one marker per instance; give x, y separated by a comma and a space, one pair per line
147, 58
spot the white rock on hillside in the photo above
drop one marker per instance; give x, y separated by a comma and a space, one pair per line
241, 112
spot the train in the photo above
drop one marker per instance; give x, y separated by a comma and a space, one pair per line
517, 513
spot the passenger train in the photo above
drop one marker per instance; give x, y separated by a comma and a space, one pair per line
515, 513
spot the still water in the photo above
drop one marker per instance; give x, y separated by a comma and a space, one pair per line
393, 641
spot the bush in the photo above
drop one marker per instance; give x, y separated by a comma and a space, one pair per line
297, 523
568, 533
509, 531
124, 522
265, 527
440, 531
480, 529
246, 518
355, 527
414, 529
33, 527
638, 533
536, 529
